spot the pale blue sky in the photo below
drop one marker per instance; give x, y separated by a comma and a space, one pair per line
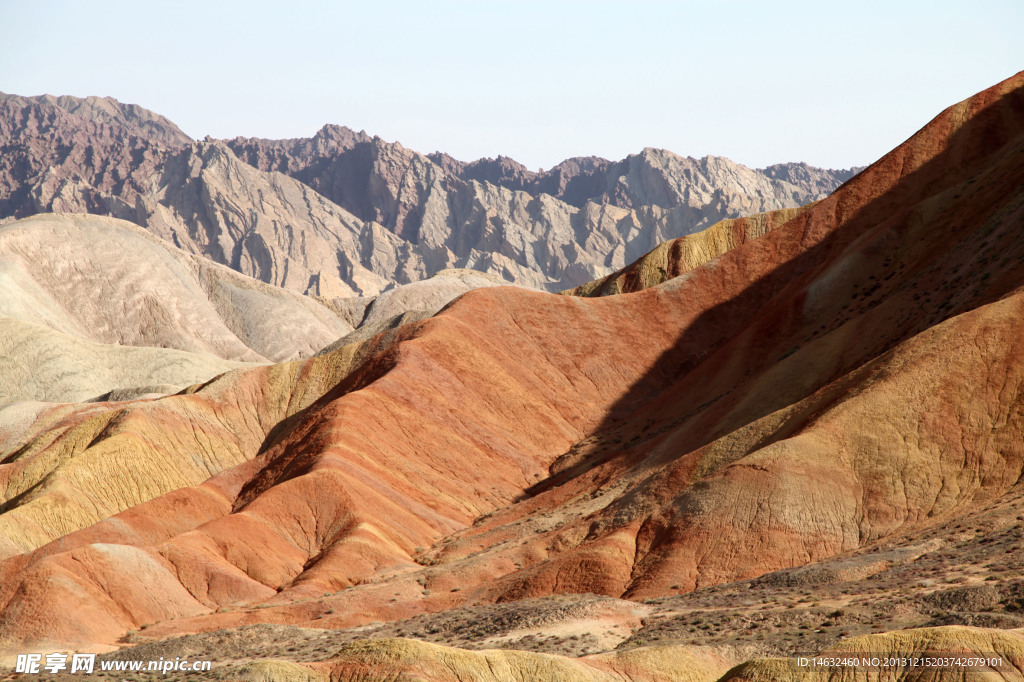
833, 84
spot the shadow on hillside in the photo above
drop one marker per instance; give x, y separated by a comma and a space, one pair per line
730, 345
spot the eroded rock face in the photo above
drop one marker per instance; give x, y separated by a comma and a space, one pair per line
267, 226
343, 214
78, 155
571, 223
849, 376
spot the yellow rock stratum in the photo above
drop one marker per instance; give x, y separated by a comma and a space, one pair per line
673, 258
407, 660
942, 643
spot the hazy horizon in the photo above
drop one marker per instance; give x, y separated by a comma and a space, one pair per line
537, 83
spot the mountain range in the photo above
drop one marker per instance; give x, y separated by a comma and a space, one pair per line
346, 215
795, 431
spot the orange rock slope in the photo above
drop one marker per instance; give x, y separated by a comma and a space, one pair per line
850, 375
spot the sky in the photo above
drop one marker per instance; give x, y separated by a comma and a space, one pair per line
833, 84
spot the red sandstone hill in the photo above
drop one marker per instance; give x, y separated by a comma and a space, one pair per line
848, 377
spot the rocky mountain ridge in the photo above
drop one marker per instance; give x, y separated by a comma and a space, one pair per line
344, 214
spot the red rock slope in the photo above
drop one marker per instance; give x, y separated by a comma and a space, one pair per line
852, 374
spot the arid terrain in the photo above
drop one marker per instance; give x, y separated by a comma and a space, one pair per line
345, 215
784, 418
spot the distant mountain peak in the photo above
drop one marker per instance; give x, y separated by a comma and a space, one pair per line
359, 213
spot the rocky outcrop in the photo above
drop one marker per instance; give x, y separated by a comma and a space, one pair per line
89, 155
343, 214
572, 223
269, 226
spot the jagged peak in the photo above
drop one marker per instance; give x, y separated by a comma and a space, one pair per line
135, 118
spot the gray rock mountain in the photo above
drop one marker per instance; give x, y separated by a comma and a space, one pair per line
344, 214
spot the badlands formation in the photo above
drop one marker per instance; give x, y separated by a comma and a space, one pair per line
794, 433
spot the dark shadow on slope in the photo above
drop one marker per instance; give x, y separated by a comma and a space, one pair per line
730, 345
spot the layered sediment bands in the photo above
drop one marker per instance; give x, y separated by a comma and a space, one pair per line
848, 377
98, 308
410, 659
77, 465
376, 469
831, 361
1007, 647
408, 303
676, 257
892, 446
